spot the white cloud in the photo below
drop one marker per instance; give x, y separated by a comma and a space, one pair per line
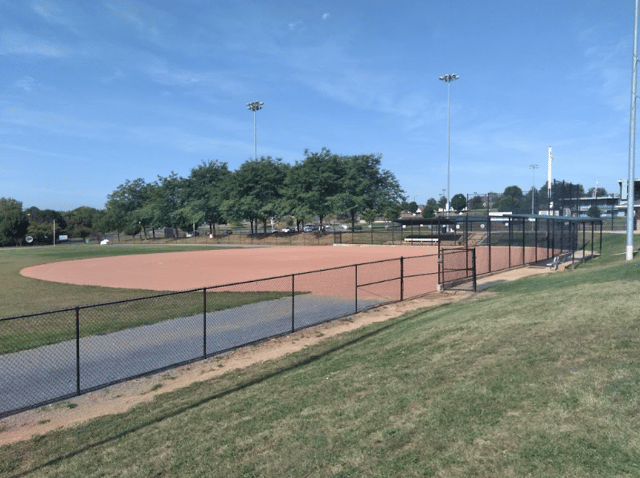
166, 76
58, 124
161, 73
50, 12
15, 43
325, 16
117, 75
40, 152
329, 70
609, 65
26, 83
296, 26
130, 12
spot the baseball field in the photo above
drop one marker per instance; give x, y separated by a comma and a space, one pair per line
537, 377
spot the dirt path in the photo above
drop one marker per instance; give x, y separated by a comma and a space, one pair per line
121, 397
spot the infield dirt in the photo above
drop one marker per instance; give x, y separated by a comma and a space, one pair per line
120, 398
195, 269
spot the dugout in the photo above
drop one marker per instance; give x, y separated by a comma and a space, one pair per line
509, 240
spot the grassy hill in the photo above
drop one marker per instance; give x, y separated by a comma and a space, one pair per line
539, 377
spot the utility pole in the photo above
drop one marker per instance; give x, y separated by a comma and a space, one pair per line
632, 142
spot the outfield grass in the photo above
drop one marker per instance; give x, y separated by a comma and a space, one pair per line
538, 377
22, 295
31, 332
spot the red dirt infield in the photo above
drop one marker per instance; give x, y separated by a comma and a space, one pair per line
175, 271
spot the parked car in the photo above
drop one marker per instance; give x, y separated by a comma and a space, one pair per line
191, 234
287, 229
104, 242
308, 229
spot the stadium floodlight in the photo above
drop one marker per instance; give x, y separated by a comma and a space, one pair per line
448, 79
533, 190
255, 106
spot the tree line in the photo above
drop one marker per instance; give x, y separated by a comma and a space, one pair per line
514, 200
320, 185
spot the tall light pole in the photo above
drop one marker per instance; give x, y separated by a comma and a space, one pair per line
448, 79
533, 190
632, 142
255, 106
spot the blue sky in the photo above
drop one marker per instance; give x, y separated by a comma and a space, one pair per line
95, 93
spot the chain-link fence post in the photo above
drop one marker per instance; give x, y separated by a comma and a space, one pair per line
489, 239
356, 287
401, 278
204, 323
473, 265
293, 302
78, 350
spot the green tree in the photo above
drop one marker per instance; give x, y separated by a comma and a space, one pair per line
511, 200
458, 202
47, 216
253, 191
392, 212
310, 184
132, 229
14, 222
593, 211
80, 221
365, 186
204, 193
369, 215
124, 206
600, 192
429, 211
41, 223
442, 202
476, 203
41, 232
163, 207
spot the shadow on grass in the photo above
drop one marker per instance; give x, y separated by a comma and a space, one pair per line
177, 411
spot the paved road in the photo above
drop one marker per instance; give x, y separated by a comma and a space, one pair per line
46, 373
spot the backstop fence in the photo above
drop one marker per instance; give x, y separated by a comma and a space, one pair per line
50, 356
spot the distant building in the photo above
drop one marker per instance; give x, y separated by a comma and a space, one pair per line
608, 205
624, 194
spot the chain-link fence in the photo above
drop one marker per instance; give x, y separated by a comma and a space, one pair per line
501, 242
51, 356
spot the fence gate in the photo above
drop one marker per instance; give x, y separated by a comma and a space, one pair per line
457, 269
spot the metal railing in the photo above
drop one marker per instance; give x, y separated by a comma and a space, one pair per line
51, 356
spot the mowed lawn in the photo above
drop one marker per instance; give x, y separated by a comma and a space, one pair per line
538, 377
22, 295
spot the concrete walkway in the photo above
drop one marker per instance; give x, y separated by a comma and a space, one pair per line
45, 373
